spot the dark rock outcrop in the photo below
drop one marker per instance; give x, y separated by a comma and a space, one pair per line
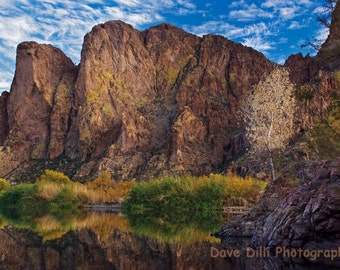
3, 117
305, 216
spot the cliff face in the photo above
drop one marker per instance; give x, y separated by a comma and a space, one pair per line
141, 103
149, 103
3, 117
40, 100
304, 214
329, 53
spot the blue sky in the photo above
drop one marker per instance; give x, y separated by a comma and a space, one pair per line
276, 28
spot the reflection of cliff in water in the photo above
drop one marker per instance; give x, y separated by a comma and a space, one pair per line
23, 249
106, 241
82, 249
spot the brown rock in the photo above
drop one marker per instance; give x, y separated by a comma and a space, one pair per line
143, 104
40, 101
299, 216
301, 69
159, 101
3, 117
329, 54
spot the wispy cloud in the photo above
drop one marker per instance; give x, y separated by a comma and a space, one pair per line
258, 43
63, 23
249, 12
295, 25
322, 34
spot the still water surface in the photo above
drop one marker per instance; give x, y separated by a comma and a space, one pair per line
112, 240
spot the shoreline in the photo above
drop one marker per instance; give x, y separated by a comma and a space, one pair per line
109, 207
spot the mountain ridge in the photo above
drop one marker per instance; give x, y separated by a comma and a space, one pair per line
92, 112
143, 103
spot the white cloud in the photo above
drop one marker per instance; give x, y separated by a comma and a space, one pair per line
249, 12
5, 79
235, 4
63, 23
130, 3
322, 34
258, 43
295, 25
186, 4
134, 18
15, 29
287, 9
231, 31
288, 12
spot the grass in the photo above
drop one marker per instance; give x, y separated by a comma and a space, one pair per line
181, 209
194, 193
186, 209
55, 194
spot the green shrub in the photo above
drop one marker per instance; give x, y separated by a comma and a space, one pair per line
20, 201
4, 185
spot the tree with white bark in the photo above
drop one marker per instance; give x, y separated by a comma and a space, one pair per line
269, 113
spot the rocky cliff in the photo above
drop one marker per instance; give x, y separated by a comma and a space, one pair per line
304, 213
329, 53
3, 117
163, 101
140, 104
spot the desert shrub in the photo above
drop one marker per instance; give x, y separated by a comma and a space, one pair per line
49, 190
105, 189
324, 139
103, 182
4, 185
54, 177
64, 204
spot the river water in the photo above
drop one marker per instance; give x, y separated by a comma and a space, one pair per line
112, 240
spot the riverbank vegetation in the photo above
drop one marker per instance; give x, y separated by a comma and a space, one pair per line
172, 209
185, 209
58, 195
194, 193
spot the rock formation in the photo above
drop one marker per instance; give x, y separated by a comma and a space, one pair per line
140, 104
3, 117
303, 213
295, 215
40, 101
329, 54
163, 101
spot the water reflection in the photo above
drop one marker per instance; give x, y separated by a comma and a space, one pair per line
97, 240
176, 226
